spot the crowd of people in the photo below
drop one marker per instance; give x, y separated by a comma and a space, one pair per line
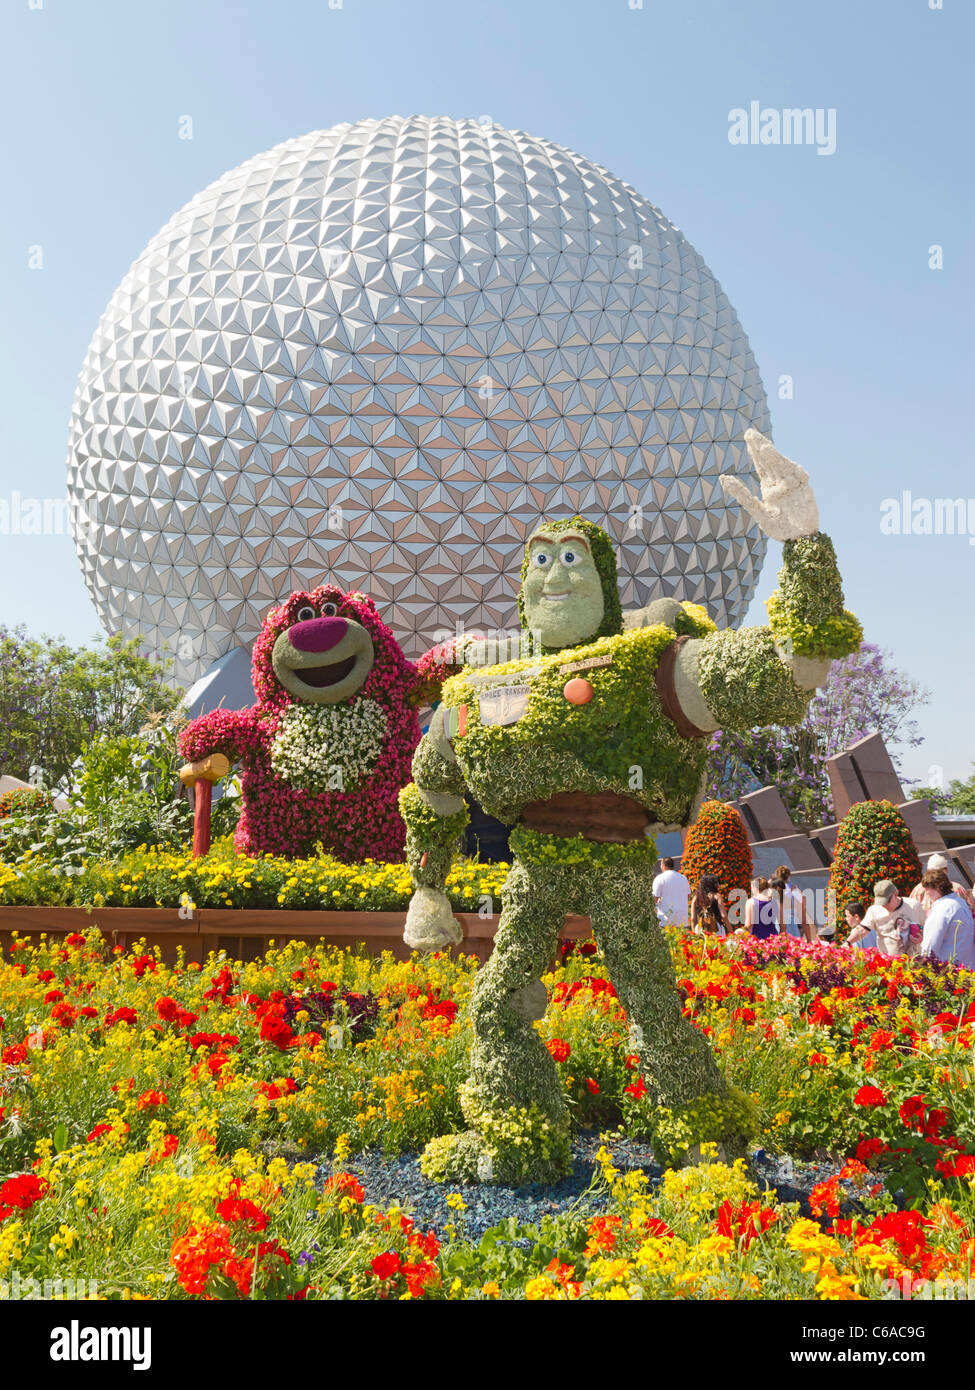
937, 919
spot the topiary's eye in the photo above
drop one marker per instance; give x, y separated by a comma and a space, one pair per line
541, 558
305, 613
329, 610
569, 557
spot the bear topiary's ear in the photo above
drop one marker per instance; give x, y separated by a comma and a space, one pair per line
358, 597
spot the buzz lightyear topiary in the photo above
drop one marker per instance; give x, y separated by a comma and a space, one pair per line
588, 747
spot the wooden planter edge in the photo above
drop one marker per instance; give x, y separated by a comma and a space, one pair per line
244, 921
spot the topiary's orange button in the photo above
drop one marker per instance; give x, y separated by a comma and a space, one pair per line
578, 691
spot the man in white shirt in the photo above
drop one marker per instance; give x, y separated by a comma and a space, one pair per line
949, 928
671, 892
892, 918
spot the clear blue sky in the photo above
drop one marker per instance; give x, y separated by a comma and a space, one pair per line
825, 258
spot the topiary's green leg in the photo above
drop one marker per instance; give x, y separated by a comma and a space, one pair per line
694, 1102
510, 1064
512, 1098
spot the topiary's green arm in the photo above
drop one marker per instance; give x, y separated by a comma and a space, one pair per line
806, 613
433, 809
766, 675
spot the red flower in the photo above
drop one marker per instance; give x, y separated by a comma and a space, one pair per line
166, 1149
440, 1008
345, 1185
869, 1149
13, 1056
963, 1166
387, 1265
97, 1132
274, 1090
21, 1193
657, 1228
743, 1222
151, 1098
123, 1015
880, 1040
825, 1196
233, 1209
637, 1090
818, 1059
419, 1275
869, 1095
559, 1049
592, 1086
276, 1031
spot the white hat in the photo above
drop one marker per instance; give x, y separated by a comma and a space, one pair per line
937, 861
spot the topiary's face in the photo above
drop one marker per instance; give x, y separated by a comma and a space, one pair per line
323, 655
562, 594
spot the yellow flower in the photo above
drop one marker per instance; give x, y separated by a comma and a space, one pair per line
491, 1289
541, 1288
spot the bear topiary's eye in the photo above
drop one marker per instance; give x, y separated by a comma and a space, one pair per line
541, 558
305, 613
329, 610
569, 557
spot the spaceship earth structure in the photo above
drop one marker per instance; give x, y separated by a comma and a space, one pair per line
379, 354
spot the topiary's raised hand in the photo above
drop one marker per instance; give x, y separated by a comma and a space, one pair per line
787, 507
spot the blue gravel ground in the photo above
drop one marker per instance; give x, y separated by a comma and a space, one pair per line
398, 1180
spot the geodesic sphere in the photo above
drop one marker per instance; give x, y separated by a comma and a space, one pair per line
379, 355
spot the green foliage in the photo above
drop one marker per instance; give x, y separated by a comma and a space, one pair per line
621, 741
24, 801
957, 799
873, 843
717, 843
128, 786
427, 833
68, 869
727, 1119
604, 558
742, 680
55, 698
806, 613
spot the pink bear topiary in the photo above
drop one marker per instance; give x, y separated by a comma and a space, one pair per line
326, 749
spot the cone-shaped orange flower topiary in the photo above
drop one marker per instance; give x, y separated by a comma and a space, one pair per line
873, 842
717, 843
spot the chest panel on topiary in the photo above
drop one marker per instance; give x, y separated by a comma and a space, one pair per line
588, 719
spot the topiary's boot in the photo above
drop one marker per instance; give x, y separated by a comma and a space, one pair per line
512, 1099
694, 1103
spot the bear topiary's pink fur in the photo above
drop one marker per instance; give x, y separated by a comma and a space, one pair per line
279, 818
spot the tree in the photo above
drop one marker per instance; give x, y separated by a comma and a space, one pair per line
717, 843
54, 699
873, 842
957, 799
863, 694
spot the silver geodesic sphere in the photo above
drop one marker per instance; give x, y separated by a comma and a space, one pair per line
379, 354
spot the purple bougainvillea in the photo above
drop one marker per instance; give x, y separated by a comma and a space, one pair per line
863, 694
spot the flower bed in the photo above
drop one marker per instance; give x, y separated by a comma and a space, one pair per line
163, 1130
225, 879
